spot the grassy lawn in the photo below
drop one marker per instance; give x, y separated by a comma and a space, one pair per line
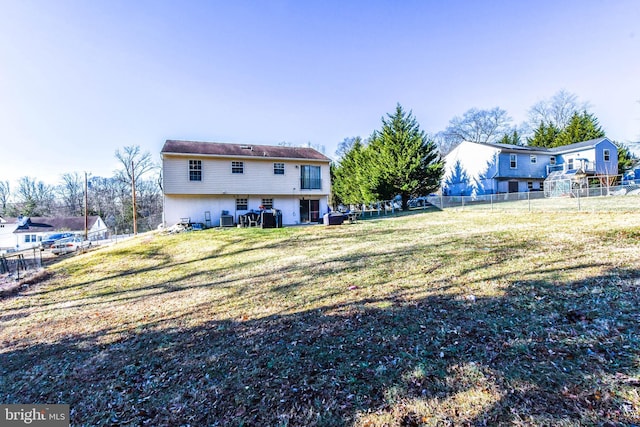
437, 318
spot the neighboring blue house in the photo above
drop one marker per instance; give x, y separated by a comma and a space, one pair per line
473, 168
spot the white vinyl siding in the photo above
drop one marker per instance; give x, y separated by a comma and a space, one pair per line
258, 177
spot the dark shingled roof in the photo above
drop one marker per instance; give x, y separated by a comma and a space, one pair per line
43, 224
241, 150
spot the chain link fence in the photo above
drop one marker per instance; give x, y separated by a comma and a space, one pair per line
601, 198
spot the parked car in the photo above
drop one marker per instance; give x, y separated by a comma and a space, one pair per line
69, 244
52, 238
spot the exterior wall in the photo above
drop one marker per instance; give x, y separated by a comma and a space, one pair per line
476, 162
523, 185
594, 158
194, 207
8, 240
258, 176
524, 167
603, 167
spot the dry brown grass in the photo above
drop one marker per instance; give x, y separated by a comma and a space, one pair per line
440, 318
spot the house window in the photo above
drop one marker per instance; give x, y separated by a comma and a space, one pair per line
529, 185
570, 164
278, 168
534, 159
607, 155
513, 161
267, 203
552, 160
310, 177
242, 204
195, 170
237, 167
30, 238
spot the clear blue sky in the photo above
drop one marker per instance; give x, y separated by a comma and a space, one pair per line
80, 79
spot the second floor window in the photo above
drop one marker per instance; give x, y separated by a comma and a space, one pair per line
552, 160
607, 155
310, 177
237, 167
195, 170
513, 161
534, 159
278, 168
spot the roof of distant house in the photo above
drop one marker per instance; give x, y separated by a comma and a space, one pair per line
43, 224
554, 150
241, 150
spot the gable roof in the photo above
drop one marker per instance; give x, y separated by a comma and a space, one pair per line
555, 150
579, 145
43, 224
241, 150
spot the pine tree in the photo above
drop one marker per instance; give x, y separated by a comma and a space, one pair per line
511, 139
544, 136
402, 160
349, 175
581, 127
626, 160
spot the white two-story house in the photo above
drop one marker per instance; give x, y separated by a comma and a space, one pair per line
203, 181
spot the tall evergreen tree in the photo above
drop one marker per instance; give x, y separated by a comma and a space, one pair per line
403, 161
544, 136
512, 138
626, 159
349, 175
581, 127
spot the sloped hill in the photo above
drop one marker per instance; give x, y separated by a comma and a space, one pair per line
432, 319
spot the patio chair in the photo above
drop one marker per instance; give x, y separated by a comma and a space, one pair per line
253, 219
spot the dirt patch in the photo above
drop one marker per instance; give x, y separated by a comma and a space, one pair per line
9, 285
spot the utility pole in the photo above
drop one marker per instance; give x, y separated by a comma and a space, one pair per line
86, 204
133, 192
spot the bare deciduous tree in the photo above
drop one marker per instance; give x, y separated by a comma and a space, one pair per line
556, 110
484, 126
34, 198
5, 194
71, 193
134, 163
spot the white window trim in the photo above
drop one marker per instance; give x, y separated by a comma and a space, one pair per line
513, 164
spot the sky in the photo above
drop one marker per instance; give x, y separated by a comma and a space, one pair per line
81, 79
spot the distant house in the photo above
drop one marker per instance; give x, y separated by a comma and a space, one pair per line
26, 232
477, 168
204, 180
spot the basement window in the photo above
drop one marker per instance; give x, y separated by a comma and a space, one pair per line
267, 203
242, 204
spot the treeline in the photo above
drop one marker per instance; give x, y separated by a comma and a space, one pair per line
400, 159
110, 198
